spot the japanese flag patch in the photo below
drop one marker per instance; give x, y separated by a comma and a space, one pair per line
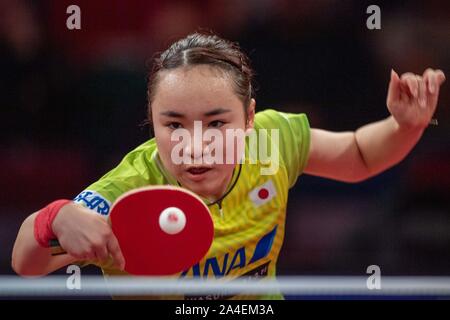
263, 193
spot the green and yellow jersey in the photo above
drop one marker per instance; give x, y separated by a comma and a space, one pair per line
249, 227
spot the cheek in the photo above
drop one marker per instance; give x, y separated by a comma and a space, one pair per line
234, 146
164, 143
223, 171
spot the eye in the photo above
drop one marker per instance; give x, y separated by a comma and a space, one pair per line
216, 124
174, 125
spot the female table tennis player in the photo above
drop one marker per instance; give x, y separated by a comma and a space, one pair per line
206, 78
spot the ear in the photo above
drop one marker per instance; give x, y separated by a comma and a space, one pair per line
250, 116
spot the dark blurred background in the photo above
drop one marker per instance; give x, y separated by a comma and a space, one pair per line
73, 103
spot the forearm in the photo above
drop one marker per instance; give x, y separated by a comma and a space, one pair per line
384, 143
373, 148
29, 258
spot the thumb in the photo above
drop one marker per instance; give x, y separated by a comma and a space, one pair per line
394, 88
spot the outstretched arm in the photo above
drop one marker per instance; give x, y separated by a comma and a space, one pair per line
375, 147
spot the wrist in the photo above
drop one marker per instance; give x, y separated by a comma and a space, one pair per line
58, 224
406, 129
43, 224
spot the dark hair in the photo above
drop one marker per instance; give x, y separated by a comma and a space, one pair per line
201, 48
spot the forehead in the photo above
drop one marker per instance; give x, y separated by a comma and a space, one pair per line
195, 87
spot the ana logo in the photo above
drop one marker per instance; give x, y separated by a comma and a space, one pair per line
94, 201
263, 193
223, 265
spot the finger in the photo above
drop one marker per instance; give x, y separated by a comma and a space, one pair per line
102, 253
409, 80
88, 256
422, 92
394, 88
116, 253
79, 255
440, 76
83, 257
83, 252
430, 79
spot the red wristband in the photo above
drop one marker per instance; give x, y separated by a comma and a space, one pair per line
43, 232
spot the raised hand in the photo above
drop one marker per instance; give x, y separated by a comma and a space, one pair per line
412, 99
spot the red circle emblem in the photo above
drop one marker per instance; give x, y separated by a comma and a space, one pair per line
263, 193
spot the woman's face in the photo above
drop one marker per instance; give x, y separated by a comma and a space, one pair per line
199, 93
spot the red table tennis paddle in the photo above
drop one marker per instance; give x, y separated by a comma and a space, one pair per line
162, 230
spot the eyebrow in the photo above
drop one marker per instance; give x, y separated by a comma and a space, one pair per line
172, 114
214, 112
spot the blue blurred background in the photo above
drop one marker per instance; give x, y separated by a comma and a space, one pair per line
73, 102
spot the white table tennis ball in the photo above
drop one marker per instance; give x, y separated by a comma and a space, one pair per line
172, 220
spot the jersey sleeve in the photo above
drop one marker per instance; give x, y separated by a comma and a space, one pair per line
294, 139
132, 172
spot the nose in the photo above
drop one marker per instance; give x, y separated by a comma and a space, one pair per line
194, 149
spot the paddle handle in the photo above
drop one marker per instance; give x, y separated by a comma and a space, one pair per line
56, 248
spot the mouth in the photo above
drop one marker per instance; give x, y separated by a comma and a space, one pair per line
197, 173
198, 170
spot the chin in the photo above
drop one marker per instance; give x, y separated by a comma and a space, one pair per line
206, 187
201, 189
